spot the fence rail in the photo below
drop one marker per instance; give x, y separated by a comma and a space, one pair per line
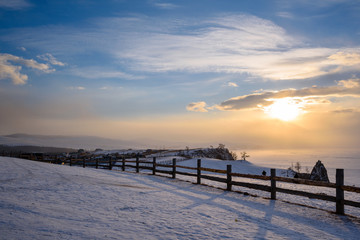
109, 162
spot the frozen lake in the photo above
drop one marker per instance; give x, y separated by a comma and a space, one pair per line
349, 160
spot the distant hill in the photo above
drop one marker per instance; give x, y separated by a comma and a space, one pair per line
74, 142
35, 149
92, 143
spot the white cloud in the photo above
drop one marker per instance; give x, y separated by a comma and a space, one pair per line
8, 71
285, 15
311, 95
197, 107
352, 83
345, 58
239, 44
229, 43
164, 5
80, 88
232, 84
50, 59
10, 67
107, 88
295, 4
225, 46
14, 4
96, 72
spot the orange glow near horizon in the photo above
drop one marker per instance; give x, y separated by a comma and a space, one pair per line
285, 109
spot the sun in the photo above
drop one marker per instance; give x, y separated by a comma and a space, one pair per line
285, 109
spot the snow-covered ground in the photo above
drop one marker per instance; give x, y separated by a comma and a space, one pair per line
45, 201
247, 167
250, 168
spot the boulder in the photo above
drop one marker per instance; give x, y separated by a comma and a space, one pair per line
319, 172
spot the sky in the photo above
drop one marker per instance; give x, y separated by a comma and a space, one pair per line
259, 73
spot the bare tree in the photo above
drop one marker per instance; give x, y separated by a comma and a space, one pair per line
244, 155
297, 167
221, 146
234, 155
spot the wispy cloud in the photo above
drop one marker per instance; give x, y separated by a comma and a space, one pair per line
236, 44
220, 44
350, 84
108, 88
314, 4
197, 107
101, 73
227, 43
288, 15
346, 110
232, 84
14, 4
163, 5
79, 88
10, 67
50, 59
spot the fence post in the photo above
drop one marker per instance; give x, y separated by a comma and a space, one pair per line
137, 163
110, 165
123, 163
83, 162
198, 181
115, 161
340, 191
154, 166
273, 183
97, 163
174, 168
228, 178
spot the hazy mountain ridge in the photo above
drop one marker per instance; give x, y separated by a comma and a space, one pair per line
93, 142
75, 142
34, 149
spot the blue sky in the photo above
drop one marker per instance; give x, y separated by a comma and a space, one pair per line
190, 71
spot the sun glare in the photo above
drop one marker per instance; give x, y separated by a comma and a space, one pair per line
284, 109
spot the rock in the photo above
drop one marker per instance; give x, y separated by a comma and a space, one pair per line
319, 172
302, 175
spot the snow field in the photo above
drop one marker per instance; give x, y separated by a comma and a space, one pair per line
249, 168
45, 201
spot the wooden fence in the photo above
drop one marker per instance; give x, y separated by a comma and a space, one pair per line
223, 176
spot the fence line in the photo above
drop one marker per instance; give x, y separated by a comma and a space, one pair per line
109, 162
